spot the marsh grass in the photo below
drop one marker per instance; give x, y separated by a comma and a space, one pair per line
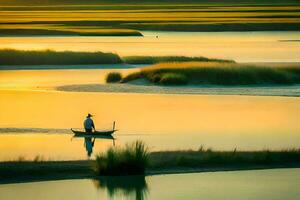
49, 57
171, 79
210, 158
135, 159
129, 160
113, 77
67, 32
159, 59
216, 73
166, 15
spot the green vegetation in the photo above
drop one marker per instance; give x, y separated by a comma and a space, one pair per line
135, 159
130, 160
138, 2
67, 32
209, 158
30, 170
171, 79
216, 73
113, 77
48, 57
159, 59
116, 18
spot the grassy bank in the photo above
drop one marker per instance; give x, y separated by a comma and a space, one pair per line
27, 171
135, 159
216, 73
159, 59
138, 2
48, 57
210, 158
50, 31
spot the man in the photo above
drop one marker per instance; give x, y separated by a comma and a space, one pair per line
89, 124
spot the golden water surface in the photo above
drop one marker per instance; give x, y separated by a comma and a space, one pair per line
29, 100
266, 46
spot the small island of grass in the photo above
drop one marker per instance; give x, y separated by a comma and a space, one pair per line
51, 57
215, 73
67, 32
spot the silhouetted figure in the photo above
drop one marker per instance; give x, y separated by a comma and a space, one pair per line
89, 144
89, 124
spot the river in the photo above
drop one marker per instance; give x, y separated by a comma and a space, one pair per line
35, 118
274, 46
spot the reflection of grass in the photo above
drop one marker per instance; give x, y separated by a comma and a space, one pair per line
217, 73
136, 185
131, 160
48, 57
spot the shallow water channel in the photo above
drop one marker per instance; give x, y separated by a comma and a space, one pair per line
274, 46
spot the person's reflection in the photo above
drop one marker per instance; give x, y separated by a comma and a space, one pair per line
89, 144
128, 186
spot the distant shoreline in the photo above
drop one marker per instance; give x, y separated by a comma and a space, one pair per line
117, 66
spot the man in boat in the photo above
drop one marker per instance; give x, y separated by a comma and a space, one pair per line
89, 124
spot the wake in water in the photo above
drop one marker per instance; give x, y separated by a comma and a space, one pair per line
35, 130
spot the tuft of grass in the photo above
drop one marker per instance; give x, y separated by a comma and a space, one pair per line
159, 59
130, 160
216, 73
113, 77
49, 57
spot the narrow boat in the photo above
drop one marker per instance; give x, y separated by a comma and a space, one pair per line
96, 134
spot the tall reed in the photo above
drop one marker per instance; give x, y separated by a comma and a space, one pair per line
130, 160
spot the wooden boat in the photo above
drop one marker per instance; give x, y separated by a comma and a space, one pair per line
96, 134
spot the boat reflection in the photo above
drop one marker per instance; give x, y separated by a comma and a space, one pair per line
133, 187
89, 141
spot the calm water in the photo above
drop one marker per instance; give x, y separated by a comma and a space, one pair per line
29, 100
280, 184
240, 46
